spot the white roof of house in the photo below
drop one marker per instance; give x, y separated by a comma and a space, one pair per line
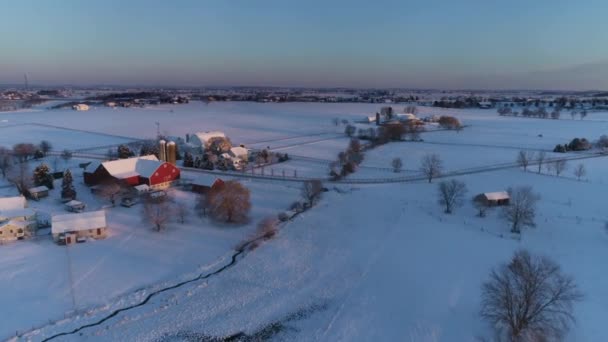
239, 151
495, 196
406, 116
77, 222
11, 203
20, 224
143, 166
39, 189
205, 136
14, 213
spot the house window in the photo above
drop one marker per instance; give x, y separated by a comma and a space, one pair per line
98, 231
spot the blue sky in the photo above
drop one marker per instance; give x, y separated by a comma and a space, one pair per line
428, 44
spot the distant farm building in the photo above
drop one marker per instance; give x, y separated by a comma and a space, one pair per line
202, 140
407, 117
492, 199
134, 171
16, 220
70, 228
80, 107
204, 188
485, 104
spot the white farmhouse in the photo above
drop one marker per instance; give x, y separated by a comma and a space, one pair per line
71, 228
16, 220
202, 139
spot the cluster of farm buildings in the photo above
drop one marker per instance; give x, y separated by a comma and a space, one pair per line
143, 175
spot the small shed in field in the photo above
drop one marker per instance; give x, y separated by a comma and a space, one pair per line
492, 199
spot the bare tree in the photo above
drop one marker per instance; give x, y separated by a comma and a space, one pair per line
411, 109
23, 151
523, 159
66, 155
311, 191
182, 212
6, 161
583, 114
580, 171
451, 194
229, 203
540, 159
335, 121
110, 189
20, 178
558, 166
431, 166
157, 212
522, 208
350, 130
529, 299
45, 147
397, 164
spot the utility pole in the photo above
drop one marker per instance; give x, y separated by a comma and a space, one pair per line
157, 129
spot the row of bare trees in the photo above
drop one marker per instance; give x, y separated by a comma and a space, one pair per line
558, 166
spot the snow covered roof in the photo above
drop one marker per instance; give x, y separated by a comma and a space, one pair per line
142, 187
205, 136
77, 222
11, 203
239, 151
143, 166
41, 188
496, 196
406, 116
20, 224
14, 213
74, 203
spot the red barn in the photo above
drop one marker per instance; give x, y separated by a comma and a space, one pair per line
135, 171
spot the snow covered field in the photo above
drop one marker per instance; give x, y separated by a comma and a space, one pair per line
376, 262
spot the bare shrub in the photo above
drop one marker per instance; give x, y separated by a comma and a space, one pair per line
529, 299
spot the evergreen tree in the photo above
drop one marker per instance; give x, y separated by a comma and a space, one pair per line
188, 160
43, 176
124, 152
67, 186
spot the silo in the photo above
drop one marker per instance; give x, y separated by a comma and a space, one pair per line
171, 149
162, 150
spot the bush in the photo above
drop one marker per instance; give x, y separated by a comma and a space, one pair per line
449, 122
579, 144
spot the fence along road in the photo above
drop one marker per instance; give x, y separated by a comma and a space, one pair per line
376, 180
